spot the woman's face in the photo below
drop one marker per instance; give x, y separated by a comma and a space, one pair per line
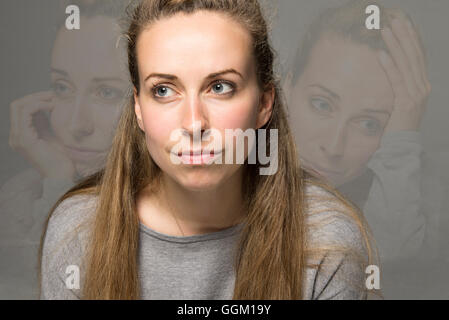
197, 73
339, 108
89, 85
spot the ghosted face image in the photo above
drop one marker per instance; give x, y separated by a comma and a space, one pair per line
339, 108
89, 84
197, 74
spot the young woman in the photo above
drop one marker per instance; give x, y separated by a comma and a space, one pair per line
357, 97
146, 227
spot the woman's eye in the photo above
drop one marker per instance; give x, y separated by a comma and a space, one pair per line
60, 88
222, 88
109, 93
162, 92
370, 126
320, 105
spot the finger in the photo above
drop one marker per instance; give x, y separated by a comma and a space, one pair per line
21, 111
45, 95
400, 60
416, 40
393, 74
408, 47
37, 96
412, 29
14, 115
28, 102
25, 132
28, 131
420, 52
22, 131
36, 106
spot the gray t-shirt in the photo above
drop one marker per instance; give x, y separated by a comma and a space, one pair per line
199, 266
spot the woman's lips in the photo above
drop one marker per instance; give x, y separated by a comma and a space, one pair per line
81, 154
198, 157
325, 172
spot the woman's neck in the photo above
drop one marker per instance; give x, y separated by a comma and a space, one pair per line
190, 212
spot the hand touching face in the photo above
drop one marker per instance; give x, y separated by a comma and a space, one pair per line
406, 68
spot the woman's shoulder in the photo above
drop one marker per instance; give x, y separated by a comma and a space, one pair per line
69, 221
335, 246
73, 209
64, 246
331, 219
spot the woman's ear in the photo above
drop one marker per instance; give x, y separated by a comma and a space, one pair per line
137, 110
266, 106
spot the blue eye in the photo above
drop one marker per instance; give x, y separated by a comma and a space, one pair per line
162, 91
371, 126
320, 105
222, 88
60, 89
109, 93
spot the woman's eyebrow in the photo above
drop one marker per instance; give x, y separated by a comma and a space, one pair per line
210, 76
329, 91
161, 75
105, 79
61, 72
220, 73
99, 79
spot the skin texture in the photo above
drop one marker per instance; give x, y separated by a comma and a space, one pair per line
84, 103
204, 198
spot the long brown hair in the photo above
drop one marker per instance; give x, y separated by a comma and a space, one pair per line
271, 255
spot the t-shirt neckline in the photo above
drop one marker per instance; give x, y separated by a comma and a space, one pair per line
195, 238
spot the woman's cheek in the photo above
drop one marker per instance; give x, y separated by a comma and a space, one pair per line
157, 134
59, 118
358, 156
366, 156
156, 122
240, 115
308, 129
234, 122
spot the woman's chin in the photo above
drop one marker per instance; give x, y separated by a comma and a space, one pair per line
198, 185
200, 180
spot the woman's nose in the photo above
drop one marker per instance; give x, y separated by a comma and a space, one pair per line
334, 146
194, 118
81, 122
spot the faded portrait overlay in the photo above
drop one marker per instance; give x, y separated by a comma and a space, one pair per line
366, 89
62, 125
361, 81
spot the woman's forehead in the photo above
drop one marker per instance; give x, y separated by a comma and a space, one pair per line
191, 43
349, 69
90, 51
